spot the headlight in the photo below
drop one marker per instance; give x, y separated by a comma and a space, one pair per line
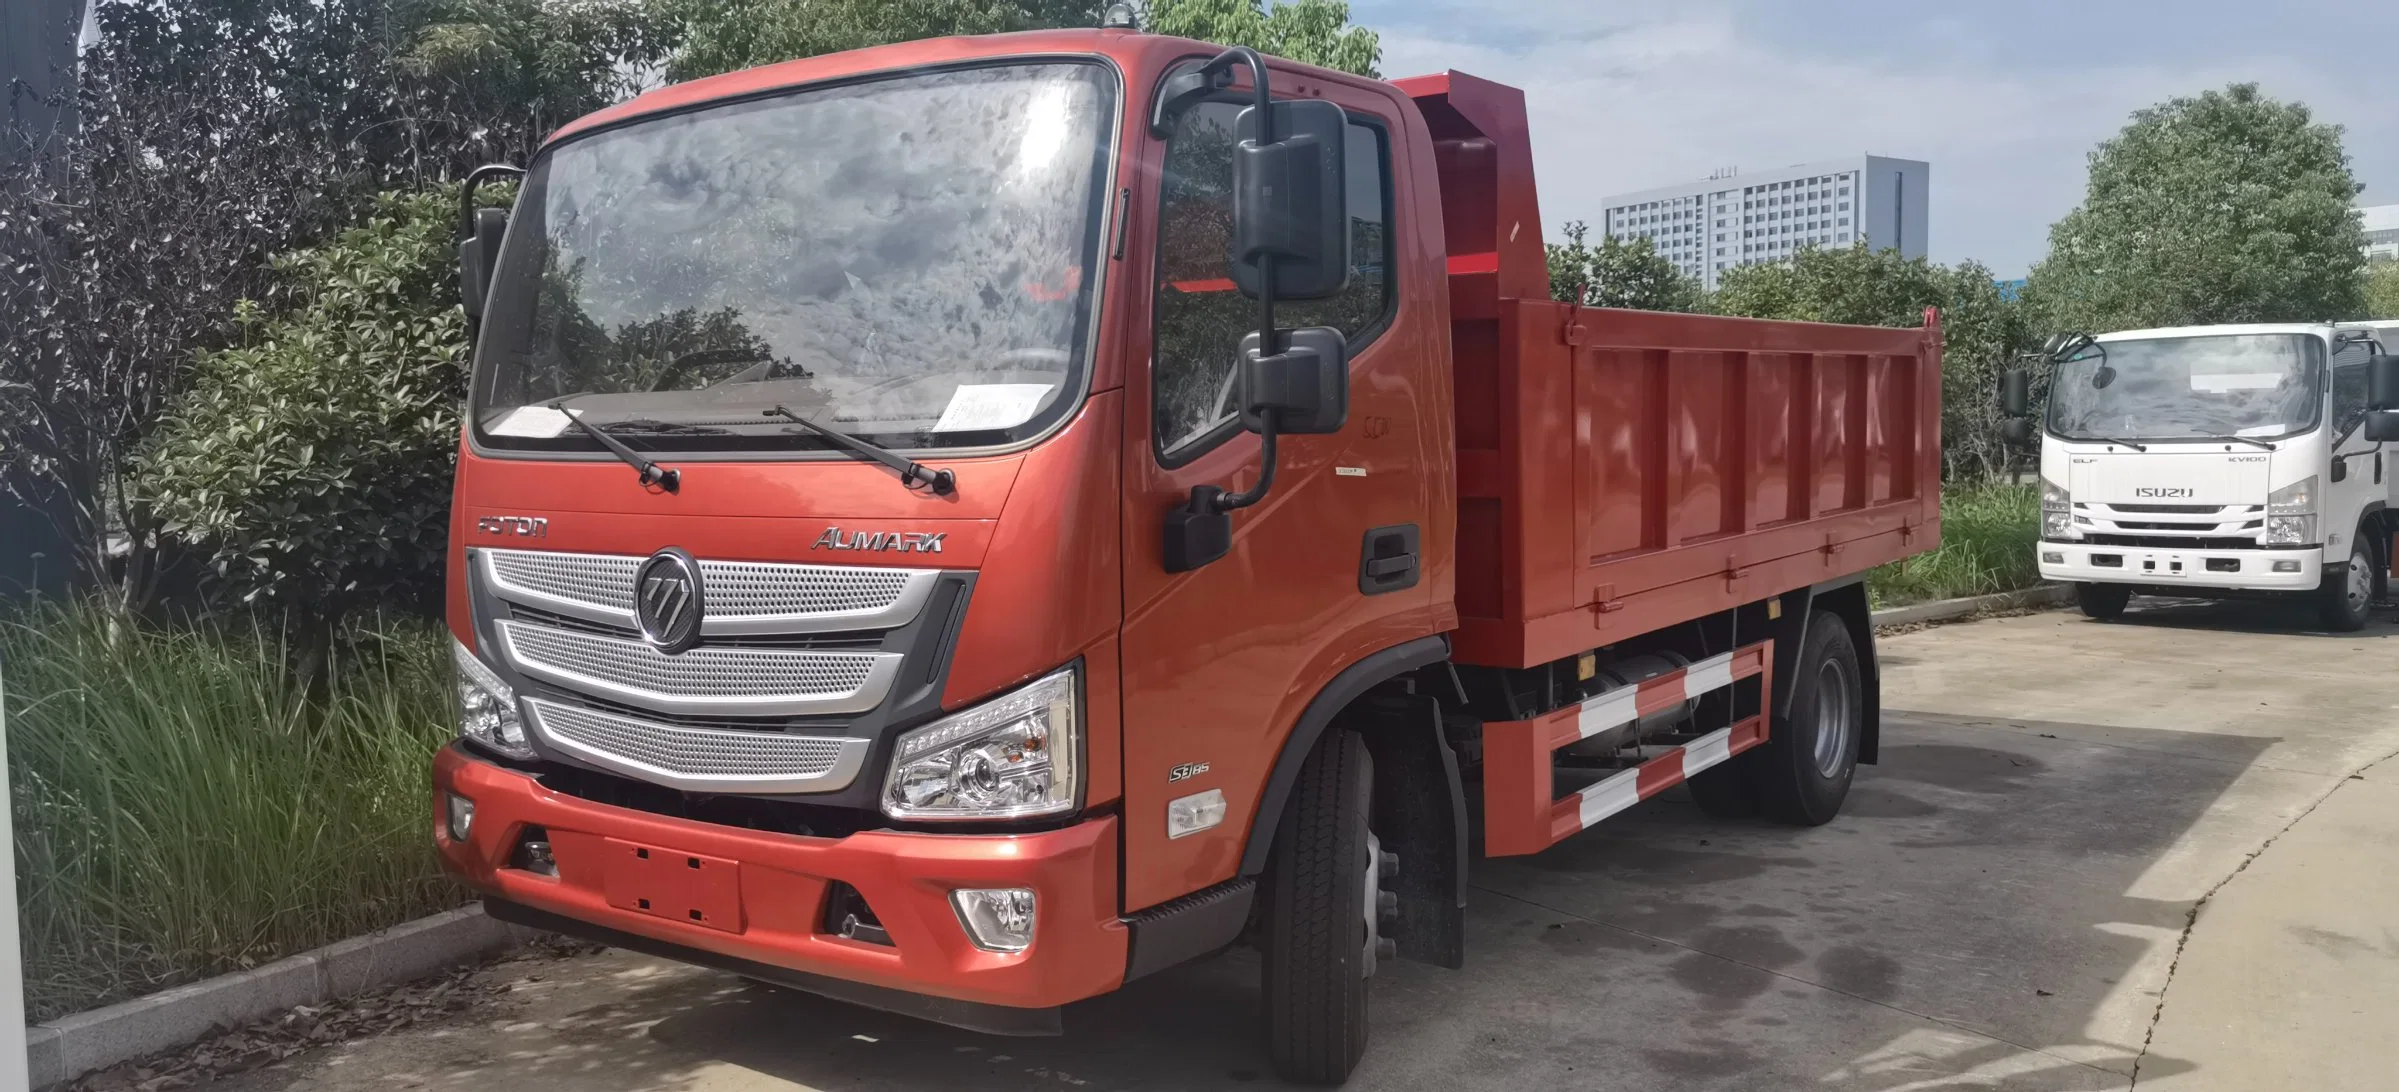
487, 710
1009, 757
2291, 514
2057, 510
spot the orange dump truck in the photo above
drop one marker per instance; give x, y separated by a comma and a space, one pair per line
963, 525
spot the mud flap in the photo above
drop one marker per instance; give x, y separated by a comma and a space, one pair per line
1420, 815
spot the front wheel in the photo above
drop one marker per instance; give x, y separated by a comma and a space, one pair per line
1804, 770
1320, 936
2343, 598
2104, 602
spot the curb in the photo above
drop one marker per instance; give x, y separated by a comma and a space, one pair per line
2046, 595
74, 1045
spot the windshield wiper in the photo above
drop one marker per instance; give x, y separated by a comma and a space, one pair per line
912, 473
2250, 440
2133, 444
648, 426
651, 473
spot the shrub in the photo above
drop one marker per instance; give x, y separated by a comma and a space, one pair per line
310, 462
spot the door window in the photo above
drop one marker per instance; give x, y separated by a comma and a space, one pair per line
2348, 392
1200, 316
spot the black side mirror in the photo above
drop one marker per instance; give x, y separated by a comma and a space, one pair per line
1291, 201
479, 232
1306, 385
2382, 382
478, 252
2015, 393
2017, 431
2382, 426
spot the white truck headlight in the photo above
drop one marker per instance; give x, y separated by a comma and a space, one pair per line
2057, 510
487, 710
1010, 757
2291, 514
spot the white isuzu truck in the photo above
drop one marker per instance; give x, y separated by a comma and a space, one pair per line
2219, 462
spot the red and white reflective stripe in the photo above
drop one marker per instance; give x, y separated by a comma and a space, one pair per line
1625, 704
1650, 778
1521, 811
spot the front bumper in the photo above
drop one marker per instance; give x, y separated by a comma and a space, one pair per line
1078, 950
2166, 569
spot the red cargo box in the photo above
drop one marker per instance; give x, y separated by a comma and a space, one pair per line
1623, 471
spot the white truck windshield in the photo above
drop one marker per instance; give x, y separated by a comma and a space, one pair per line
909, 259
2255, 386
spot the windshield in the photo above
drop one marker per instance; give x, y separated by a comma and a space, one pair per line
2261, 386
908, 259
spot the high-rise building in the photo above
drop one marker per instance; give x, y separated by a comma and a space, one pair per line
1732, 220
2382, 231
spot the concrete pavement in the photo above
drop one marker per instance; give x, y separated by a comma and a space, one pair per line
2002, 905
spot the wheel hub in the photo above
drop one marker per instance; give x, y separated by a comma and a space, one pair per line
1834, 729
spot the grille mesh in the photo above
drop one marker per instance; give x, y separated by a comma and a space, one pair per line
705, 672
687, 751
735, 589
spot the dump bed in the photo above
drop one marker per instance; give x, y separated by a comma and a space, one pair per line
1623, 471
1620, 472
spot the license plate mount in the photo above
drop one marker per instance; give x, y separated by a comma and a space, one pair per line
692, 888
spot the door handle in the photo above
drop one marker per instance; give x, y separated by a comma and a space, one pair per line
1389, 561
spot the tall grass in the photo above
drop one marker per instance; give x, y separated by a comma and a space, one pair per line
1987, 537
182, 808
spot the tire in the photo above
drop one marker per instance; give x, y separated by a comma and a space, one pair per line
1319, 938
1804, 768
1726, 790
2347, 594
2103, 602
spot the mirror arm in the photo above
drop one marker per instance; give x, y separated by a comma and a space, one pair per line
466, 191
1227, 502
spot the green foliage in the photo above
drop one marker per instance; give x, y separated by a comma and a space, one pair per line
2227, 207
1981, 331
310, 462
1314, 32
542, 60
1987, 542
177, 815
725, 35
1617, 273
2382, 290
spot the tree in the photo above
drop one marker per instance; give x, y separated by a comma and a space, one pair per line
1981, 331
310, 461
2227, 207
726, 35
2382, 290
1617, 273
1313, 32
209, 135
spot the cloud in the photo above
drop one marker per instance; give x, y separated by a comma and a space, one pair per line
1626, 96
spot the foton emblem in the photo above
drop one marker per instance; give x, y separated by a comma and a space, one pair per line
2163, 491
905, 542
526, 526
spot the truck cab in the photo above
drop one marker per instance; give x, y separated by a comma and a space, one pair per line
2219, 462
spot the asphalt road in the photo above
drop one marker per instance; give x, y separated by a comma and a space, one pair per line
2007, 902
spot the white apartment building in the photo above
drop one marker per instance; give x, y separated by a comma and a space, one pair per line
1720, 223
2382, 231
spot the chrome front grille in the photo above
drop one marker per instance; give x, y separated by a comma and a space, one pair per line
718, 681
743, 597
2235, 521
700, 759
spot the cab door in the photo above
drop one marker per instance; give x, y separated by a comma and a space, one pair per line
1218, 662
2359, 479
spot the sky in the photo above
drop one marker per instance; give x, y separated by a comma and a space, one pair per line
2005, 99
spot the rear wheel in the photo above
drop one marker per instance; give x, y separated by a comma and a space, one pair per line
2343, 598
2104, 602
1320, 939
1804, 769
